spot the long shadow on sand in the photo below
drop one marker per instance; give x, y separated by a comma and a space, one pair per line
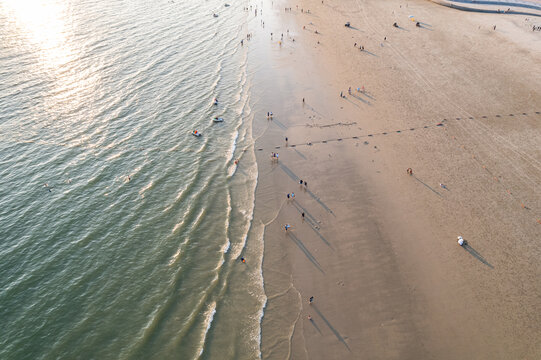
475, 254
335, 332
279, 124
428, 187
293, 176
300, 154
351, 102
421, 26
367, 94
315, 325
361, 99
310, 220
354, 28
305, 250
401, 28
369, 53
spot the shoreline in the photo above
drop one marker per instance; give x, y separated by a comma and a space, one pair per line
377, 249
485, 7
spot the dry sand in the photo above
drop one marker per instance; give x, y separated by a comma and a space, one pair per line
459, 103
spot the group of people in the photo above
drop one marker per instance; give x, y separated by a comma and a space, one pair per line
274, 156
359, 89
361, 47
292, 196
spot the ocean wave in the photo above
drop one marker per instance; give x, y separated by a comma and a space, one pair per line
209, 316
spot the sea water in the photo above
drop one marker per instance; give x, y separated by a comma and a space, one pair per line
121, 233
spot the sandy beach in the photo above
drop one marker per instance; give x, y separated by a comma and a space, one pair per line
459, 103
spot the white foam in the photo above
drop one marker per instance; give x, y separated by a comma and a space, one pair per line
175, 257
209, 316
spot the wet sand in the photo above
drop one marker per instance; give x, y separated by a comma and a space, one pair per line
460, 104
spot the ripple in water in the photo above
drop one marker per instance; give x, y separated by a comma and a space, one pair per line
131, 249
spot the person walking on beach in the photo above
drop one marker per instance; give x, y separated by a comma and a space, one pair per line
286, 227
341, 94
302, 215
311, 300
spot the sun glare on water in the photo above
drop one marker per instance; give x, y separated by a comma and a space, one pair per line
43, 33
41, 23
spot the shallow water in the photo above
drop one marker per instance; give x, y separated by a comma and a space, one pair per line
120, 232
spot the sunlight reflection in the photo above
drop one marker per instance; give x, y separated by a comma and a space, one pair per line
43, 25
43, 30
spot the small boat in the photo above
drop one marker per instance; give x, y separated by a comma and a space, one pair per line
215, 15
218, 119
196, 133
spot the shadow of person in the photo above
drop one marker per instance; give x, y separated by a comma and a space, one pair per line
475, 254
335, 332
315, 325
426, 185
305, 250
